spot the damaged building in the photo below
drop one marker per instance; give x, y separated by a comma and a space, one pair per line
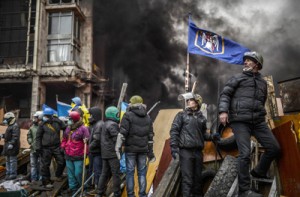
46, 53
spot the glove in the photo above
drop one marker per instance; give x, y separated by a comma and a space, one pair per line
174, 152
62, 150
39, 151
215, 136
10, 146
151, 155
118, 155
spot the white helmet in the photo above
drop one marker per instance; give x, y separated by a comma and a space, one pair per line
38, 114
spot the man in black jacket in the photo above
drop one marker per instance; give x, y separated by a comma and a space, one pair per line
137, 130
242, 106
48, 146
111, 164
11, 145
95, 158
187, 136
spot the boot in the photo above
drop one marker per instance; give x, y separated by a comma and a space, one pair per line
256, 175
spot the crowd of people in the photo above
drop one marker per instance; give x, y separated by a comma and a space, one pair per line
85, 134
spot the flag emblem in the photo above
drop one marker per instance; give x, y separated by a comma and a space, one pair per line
209, 42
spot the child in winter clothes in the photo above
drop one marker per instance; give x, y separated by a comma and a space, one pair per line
73, 142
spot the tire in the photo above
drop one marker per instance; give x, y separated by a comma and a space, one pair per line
227, 141
224, 178
227, 144
207, 176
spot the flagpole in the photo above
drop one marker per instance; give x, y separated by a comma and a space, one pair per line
187, 71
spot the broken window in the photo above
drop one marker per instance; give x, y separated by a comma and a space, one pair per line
63, 37
14, 23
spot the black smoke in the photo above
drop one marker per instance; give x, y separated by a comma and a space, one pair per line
144, 43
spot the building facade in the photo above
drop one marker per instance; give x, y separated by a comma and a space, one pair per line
46, 54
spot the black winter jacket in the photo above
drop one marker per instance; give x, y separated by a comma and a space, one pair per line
48, 133
108, 139
244, 97
12, 136
188, 130
95, 139
137, 128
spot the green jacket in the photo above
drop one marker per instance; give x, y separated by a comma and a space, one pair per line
31, 137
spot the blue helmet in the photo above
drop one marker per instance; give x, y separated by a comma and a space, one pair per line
48, 112
76, 100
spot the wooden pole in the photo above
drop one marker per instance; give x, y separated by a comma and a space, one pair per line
187, 73
122, 95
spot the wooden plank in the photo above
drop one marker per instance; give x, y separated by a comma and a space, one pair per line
23, 137
289, 161
296, 123
163, 164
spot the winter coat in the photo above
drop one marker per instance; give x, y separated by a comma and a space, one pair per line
137, 128
31, 137
12, 136
95, 130
108, 139
244, 97
95, 139
73, 143
188, 130
48, 134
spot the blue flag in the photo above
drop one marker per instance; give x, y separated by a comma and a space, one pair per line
203, 42
46, 106
63, 109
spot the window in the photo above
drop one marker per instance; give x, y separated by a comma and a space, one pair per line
63, 37
13, 31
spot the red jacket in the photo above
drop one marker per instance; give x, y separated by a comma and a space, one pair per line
73, 143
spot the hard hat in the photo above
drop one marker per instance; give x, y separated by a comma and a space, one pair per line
48, 112
76, 100
113, 113
75, 116
253, 55
9, 115
136, 99
38, 114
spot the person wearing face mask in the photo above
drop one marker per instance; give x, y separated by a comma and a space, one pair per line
48, 146
74, 138
76, 105
187, 136
95, 158
11, 145
31, 139
242, 107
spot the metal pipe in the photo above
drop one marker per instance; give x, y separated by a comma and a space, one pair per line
28, 31
36, 35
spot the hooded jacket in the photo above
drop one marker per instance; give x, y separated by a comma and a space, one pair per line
137, 128
244, 97
95, 130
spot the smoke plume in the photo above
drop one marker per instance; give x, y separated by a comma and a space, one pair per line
145, 43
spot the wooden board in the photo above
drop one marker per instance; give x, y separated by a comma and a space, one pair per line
284, 119
289, 161
23, 137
